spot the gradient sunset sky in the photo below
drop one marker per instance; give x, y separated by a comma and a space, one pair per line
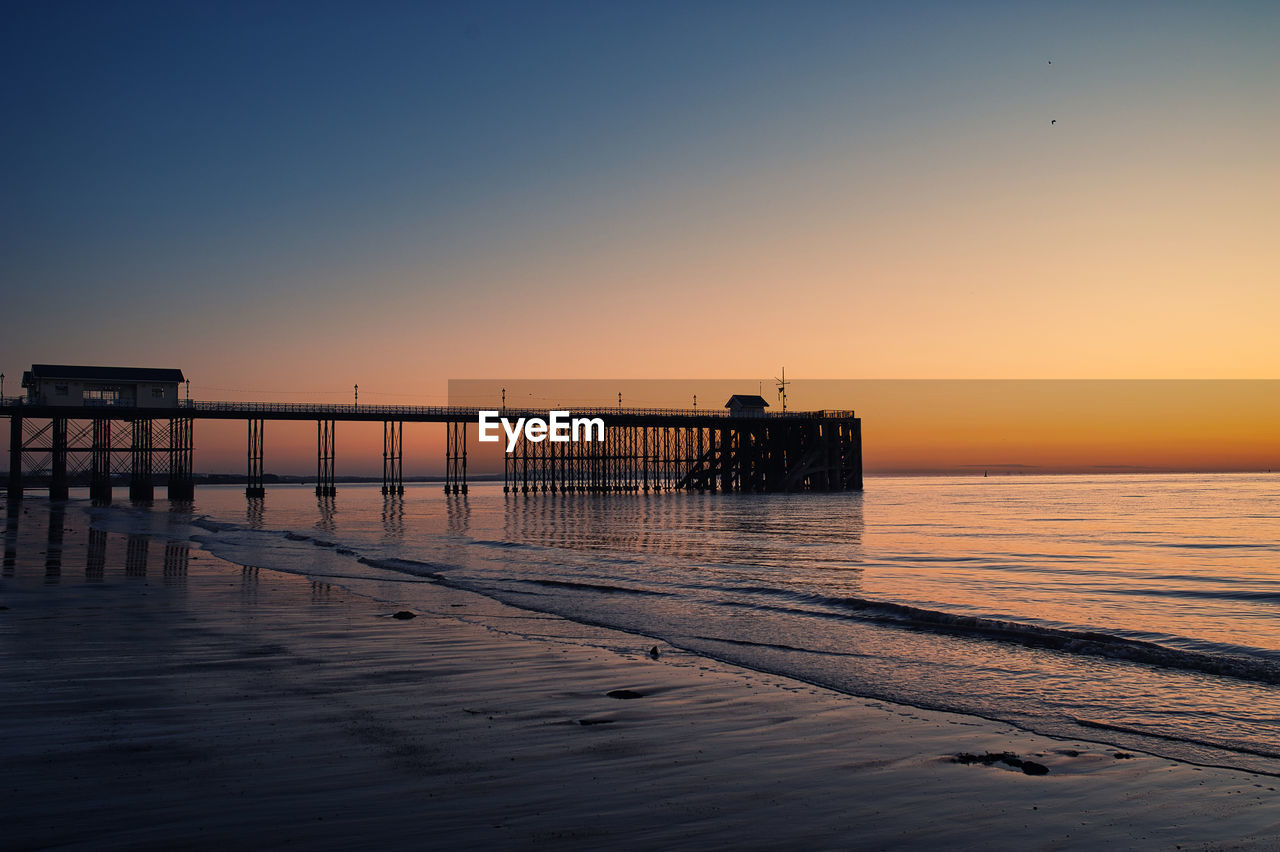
287, 199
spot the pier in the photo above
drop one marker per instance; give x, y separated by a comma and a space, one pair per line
643, 449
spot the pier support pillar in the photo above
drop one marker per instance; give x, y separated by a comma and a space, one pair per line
854, 461
726, 459
455, 458
253, 479
392, 457
58, 470
181, 458
14, 490
100, 461
713, 461
325, 433
141, 488
506, 473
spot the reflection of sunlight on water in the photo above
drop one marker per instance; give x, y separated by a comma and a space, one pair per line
1186, 558
775, 581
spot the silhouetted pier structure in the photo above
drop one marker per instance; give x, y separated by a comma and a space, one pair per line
642, 449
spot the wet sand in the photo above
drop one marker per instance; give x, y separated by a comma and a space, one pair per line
152, 696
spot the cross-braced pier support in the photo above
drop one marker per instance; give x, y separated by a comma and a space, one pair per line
392, 457
325, 430
253, 480
182, 484
58, 466
14, 490
100, 461
743, 455
95, 447
141, 488
455, 457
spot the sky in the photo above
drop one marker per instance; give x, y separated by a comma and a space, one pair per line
286, 199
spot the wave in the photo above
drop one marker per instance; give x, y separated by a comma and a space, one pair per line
1088, 643
1144, 732
417, 567
1222, 663
776, 646
1213, 545
595, 587
1207, 594
213, 526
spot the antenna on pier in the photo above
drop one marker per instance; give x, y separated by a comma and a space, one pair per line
782, 388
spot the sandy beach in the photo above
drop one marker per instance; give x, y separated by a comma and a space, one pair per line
156, 697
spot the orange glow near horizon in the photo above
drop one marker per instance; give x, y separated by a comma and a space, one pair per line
1072, 426
924, 426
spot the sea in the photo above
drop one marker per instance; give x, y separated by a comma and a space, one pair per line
1141, 611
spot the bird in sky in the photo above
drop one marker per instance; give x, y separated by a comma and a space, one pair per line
1053, 121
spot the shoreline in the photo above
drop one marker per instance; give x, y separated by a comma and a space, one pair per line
153, 695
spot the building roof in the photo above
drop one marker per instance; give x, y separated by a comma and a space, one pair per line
103, 374
743, 400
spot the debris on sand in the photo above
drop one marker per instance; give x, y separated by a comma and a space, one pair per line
1030, 767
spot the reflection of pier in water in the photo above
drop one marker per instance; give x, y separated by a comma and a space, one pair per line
135, 557
393, 516
177, 558
97, 543
96, 555
641, 450
11, 539
694, 531
53, 544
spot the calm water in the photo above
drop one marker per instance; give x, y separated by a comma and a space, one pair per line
1137, 610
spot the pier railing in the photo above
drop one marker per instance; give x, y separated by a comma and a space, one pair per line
473, 411
453, 412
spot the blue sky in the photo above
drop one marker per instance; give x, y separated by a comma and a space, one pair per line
862, 184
